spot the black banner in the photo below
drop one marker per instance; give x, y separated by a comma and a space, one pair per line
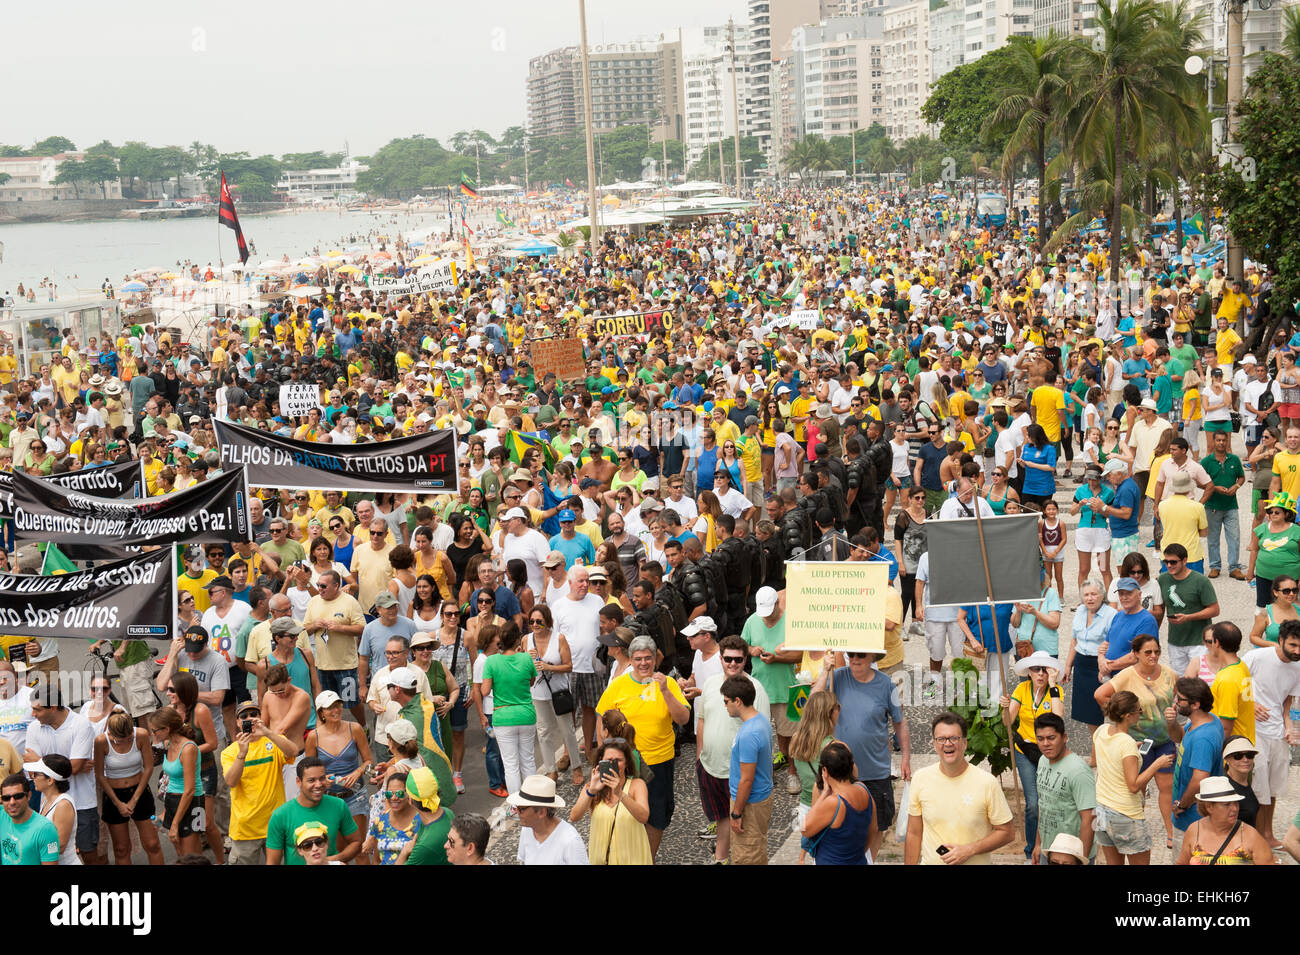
113, 480
130, 598
419, 464
214, 510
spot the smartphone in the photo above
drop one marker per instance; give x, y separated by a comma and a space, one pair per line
18, 653
942, 850
1145, 747
606, 767
246, 726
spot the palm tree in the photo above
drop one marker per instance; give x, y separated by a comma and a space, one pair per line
1184, 126
1037, 89
1134, 74
797, 157
1291, 33
1096, 198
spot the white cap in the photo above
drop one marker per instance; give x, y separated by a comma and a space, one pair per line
327, 698
513, 513
765, 601
403, 677
700, 623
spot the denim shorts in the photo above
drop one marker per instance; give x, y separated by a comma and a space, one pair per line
460, 712
342, 682
1129, 836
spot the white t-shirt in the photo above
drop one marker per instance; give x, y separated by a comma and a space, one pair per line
479, 663
15, 715
1274, 680
75, 739
685, 508
734, 503
530, 547
562, 847
221, 630
555, 592
701, 670
579, 622
1250, 396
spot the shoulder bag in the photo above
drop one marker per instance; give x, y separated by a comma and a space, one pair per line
561, 700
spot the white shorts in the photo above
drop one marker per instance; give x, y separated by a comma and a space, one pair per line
943, 639
1272, 761
1092, 540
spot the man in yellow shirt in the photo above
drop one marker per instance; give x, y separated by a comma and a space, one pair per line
8, 366
1049, 407
1286, 467
1225, 342
1233, 303
724, 429
334, 507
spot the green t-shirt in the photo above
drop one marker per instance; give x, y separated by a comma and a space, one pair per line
1175, 367
32, 843
1163, 390
1065, 788
332, 813
512, 676
1185, 355
775, 677
137, 651
430, 844
1278, 553
1190, 595
1223, 475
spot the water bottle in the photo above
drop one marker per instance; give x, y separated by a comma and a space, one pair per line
1295, 715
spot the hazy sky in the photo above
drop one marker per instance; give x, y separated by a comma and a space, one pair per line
278, 76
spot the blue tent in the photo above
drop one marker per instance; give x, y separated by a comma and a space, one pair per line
538, 247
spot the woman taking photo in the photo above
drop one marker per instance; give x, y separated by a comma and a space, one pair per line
183, 801
456, 653
1274, 547
1087, 633
123, 765
842, 819
1092, 537
1033, 697
1280, 609
346, 752
183, 696
508, 676
52, 778
816, 730
1152, 684
619, 808
554, 663
1039, 460
1121, 828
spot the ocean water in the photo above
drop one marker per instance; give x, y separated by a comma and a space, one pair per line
78, 256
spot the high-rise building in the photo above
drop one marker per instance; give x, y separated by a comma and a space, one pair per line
836, 72
639, 82
771, 23
990, 22
947, 36
1065, 17
906, 44
708, 85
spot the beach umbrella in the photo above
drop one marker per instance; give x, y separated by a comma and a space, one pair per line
348, 269
423, 259
134, 287
169, 276
334, 253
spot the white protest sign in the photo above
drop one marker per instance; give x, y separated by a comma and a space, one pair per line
439, 276
805, 318
298, 398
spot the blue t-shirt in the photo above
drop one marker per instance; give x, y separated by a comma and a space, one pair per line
1125, 327
1087, 516
1139, 366
1129, 495
1202, 749
1124, 628
1037, 481
930, 458
866, 712
985, 625
705, 466
32, 843
753, 744
579, 547
375, 636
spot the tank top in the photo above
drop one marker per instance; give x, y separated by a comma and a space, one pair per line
436, 571
405, 595
999, 505
174, 770
542, 688
444, 654
340, 764
68, 854
123, 765
1201, 855
847, 844
426, 626
300, 676
1052, 536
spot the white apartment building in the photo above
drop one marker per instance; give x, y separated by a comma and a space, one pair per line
31, 179
1261, 31
771, 23
947, 37
836, 69
1065, 17
990, 22
306, 185
708, 82
906, 42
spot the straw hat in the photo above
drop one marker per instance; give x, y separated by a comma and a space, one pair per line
1218, 789
537, 791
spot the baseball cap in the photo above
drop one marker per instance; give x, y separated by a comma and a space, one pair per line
283, 625
566, 515
386, 599
403, 677
597, 572
248, 706
1127, 583
619, 637
554, 558
40, 767
327, 698
400, 731
765, 601
221, 581
310, 830
1149, 404
513, 513
1115, 466
700, 623
588, 482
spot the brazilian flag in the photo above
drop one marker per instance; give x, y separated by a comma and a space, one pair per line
799, 694
56, 562
518, 443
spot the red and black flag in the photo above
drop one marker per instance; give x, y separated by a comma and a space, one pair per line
227, 217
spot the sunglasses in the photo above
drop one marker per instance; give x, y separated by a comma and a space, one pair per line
1242, 756
733, 659
13, 797
316, 842
395, 794
451, 613
486, 600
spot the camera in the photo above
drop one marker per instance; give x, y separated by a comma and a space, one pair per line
246, 726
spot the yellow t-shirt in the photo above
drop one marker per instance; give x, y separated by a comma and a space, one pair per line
260, 790
1048, 402
8, 363
800, 406
1024, 695
1182, 520
338, 652
1110, 750
893, 635
1287, 467
1234, 698
194, 586
1192, 404
956, 811
727, 431
645, 709
751, 452
1225, 342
